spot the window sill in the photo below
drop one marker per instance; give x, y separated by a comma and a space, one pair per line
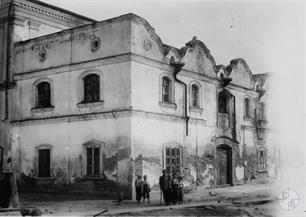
42, 110
196, 109
90, 104
169, 105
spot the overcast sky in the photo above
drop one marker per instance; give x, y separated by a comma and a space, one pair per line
268, 35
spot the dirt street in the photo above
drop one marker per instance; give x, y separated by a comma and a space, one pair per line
243, 200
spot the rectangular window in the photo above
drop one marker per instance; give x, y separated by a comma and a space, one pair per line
166, 89
93, 161
262, 160
173, 159
44, 163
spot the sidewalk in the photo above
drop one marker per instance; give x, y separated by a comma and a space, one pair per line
199, 197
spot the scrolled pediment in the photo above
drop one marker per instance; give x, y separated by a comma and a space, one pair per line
197, 58
240, 73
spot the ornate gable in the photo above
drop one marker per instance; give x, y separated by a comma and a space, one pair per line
240, 73
197, 58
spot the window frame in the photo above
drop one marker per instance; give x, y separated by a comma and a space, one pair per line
172, 146
93, 144
247, 114
167, 93
199, 97
80, 88
172, 89
35, 94
94, 92
262, 161
43, 91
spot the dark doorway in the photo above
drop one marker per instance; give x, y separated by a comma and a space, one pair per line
224, 165
44, 163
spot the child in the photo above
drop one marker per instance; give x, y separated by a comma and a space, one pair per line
180, 190
146, 189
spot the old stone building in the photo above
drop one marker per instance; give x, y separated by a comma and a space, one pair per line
89, 105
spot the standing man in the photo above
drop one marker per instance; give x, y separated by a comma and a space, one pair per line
146, 189
138, 188
165, 187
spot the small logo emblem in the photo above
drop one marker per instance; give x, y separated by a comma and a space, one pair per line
288, 199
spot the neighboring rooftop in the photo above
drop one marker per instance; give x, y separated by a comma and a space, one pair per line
62, 10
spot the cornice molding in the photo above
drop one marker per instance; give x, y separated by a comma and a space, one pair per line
52, 14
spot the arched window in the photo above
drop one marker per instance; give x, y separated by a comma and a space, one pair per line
247, 107
91, 88
195, 96
166, 89
43, 95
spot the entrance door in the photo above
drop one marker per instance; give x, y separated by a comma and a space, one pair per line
224, 174
44, 163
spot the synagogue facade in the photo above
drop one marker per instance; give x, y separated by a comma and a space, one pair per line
87, 103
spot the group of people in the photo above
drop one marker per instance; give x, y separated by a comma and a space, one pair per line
142, 188
171, 188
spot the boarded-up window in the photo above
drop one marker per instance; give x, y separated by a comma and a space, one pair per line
43, 95
44, 163
166, 89
93, 161
262, 160
173, 155
195, 93
91, 88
